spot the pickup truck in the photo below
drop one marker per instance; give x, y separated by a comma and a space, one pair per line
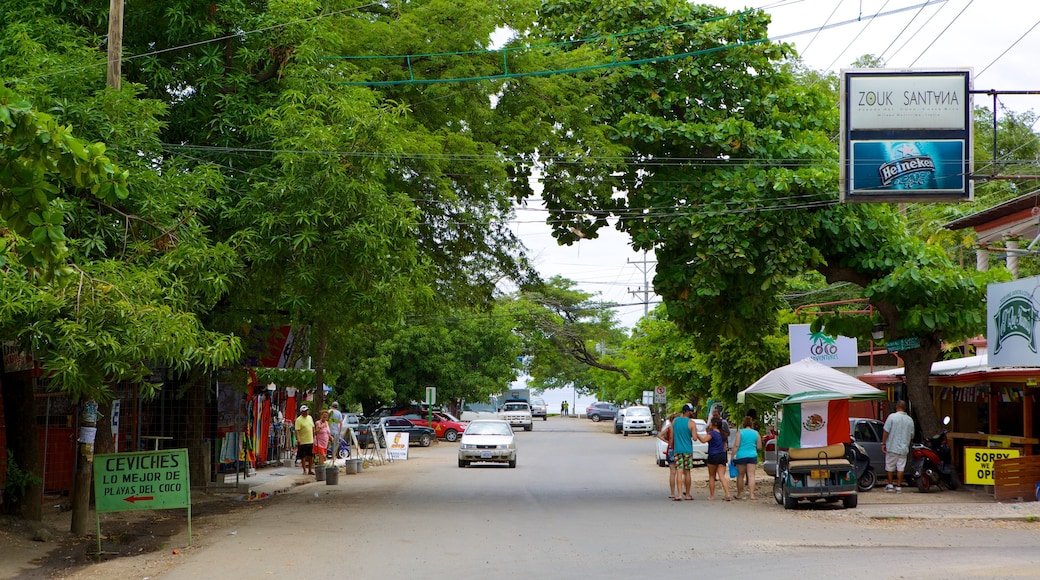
517, 414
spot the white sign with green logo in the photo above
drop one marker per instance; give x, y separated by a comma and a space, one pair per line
1012, 310
832, 351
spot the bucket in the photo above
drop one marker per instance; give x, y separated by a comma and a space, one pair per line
319, 472
351, 466
332, 475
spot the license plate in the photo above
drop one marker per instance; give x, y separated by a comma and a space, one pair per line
485, 455
820, 474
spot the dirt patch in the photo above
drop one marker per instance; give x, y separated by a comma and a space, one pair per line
124, 536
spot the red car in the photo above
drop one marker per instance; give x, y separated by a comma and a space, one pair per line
445, 426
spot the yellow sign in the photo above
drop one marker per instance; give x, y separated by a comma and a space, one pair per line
978, 463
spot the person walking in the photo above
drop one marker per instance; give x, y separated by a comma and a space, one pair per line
673, 472
716, 457
305, 440
895, 443
746, 444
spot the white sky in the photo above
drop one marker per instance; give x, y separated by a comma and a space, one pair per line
998, 39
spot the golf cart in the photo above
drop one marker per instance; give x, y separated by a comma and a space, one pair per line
812, 461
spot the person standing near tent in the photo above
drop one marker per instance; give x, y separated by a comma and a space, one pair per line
746, 444
305, 440
895, 443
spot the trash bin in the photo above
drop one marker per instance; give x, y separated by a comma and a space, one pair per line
332, 475
319, 472
351, 466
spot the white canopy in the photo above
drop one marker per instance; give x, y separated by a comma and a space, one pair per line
806, 375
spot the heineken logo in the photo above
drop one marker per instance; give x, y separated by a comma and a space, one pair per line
1016, 316
907, 168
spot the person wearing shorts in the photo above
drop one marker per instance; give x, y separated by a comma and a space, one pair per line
305, 440
669, 455
717, 457
680, 439
895, 443
746, 446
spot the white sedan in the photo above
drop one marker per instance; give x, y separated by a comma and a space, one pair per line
487, 440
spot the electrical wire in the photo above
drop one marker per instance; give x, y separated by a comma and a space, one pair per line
934, 40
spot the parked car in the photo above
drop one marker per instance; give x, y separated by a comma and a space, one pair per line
479, 411
866, 432
619, 420
442, 426
539, 409
638, 419
599, 411
487, 440
423, 436
700, 450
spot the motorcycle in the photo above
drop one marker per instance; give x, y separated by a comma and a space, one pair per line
930, 466
866, 478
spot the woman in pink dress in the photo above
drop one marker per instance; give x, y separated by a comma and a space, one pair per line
321, 436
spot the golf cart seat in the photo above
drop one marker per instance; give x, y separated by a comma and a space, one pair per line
830, 457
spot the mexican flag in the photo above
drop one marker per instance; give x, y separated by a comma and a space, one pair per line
814, 424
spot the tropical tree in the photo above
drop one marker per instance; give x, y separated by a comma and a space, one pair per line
730, 176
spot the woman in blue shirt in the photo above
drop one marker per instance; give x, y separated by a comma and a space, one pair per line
746, 444
716, 457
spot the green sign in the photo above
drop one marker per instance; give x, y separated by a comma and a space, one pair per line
148, 480
902, 344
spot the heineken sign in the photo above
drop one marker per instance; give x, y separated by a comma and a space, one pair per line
906, 135
1012, 312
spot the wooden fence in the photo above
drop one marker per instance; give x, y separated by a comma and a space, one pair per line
1016, 478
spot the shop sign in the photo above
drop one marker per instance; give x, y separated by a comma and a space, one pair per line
978, 463
832, 351
1012, 311
397, 446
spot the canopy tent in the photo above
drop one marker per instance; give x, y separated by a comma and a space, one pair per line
806, 375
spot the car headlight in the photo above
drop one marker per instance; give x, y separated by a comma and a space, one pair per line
467, 446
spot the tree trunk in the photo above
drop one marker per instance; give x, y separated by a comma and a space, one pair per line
195, 434
23, 440
84, 471
321, 345
918, 367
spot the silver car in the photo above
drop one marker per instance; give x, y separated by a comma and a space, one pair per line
487, 440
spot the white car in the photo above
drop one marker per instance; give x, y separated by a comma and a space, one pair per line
517, 414
487, 440
637, 420
700, 450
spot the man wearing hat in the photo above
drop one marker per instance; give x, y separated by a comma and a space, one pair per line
681, 440
305, 440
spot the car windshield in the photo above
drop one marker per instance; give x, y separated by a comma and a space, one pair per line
495, 428
515, 407
637, 412
538, 402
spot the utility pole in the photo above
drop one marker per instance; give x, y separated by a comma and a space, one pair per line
115, 44
88, 419
644, 267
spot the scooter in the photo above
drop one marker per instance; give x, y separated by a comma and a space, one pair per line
866, 478
930, 467
342, 452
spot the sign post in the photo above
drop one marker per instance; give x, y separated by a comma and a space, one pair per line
147, 480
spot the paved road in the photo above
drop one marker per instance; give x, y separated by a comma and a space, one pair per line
582, 503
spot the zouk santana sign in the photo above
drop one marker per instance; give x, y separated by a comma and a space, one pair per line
906, 135
1012, 311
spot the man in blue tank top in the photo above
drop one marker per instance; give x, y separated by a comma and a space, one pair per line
683, 429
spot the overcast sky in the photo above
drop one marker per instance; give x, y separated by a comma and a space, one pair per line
998, 39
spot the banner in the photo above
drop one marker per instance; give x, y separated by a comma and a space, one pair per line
814, 424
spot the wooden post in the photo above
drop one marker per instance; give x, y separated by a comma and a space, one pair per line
84, 468
115, 43
1027, 418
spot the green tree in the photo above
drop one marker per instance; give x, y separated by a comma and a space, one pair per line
730, 178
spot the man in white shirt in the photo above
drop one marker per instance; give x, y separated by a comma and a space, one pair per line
895, 443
